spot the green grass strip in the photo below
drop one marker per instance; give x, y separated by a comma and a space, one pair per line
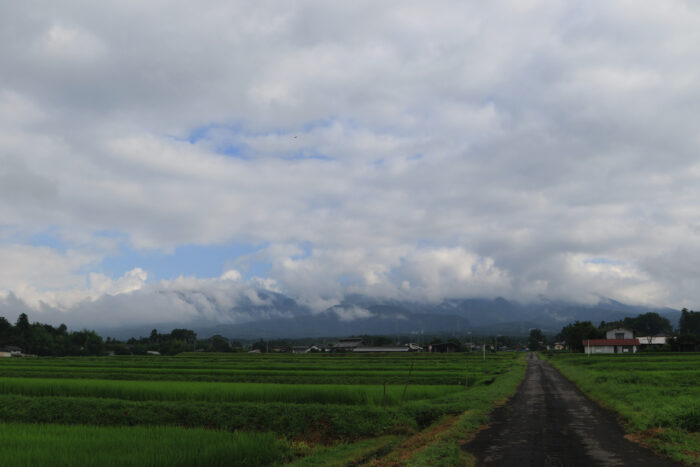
61, 445
220, 392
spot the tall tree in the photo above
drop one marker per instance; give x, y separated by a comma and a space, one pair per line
574, 334
649, 324
689, 323
536, 340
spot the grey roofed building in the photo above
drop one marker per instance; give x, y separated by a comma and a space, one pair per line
443, 347
348, 343
379, 348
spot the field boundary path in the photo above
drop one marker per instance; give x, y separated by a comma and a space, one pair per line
549, 422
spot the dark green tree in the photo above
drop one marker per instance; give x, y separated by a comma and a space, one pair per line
186, 335
536, 340
174, 346
5, 329
93, 343
219, 343
22, 323
42, 342
649, 324
574, 334
22, 331
689, 323
261, 345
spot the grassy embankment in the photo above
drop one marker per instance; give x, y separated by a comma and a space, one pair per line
657, 396
343, 417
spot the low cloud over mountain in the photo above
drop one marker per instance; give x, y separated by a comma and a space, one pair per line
250, 309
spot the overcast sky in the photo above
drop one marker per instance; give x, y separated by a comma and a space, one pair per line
399, 149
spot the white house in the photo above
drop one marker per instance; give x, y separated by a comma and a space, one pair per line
617, 341
619, 333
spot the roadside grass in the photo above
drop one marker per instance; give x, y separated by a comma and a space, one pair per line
441, 443
70, 445
357, 453
657, 396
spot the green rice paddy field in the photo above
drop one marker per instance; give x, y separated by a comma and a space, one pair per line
657, 395
241, 409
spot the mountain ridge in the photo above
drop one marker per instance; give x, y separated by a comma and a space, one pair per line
283, 317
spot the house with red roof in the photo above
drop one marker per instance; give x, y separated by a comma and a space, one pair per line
616, 341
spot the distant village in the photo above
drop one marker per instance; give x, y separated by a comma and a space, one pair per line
648, 332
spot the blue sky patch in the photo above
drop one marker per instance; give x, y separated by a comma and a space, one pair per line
187, 260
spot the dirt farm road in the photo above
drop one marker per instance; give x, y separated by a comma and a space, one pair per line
549, 422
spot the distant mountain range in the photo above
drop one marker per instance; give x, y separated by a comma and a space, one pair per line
283, 317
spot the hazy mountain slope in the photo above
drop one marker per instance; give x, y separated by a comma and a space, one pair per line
274, 315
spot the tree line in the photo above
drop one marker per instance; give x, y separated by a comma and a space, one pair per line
647, 324
46, 340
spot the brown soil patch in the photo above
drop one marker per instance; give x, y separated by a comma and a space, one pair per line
641, 437
320, 433
410, 447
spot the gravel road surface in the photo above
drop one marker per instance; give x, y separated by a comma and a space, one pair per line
549, 422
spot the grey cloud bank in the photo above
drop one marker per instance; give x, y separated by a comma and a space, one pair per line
397, 150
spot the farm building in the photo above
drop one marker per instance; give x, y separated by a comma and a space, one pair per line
388, 348
379, 348
443, 347
618, 340
591, 346
619, 333
347, 344
653, 340
10, 351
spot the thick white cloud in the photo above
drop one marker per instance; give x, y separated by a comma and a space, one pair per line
398, 149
